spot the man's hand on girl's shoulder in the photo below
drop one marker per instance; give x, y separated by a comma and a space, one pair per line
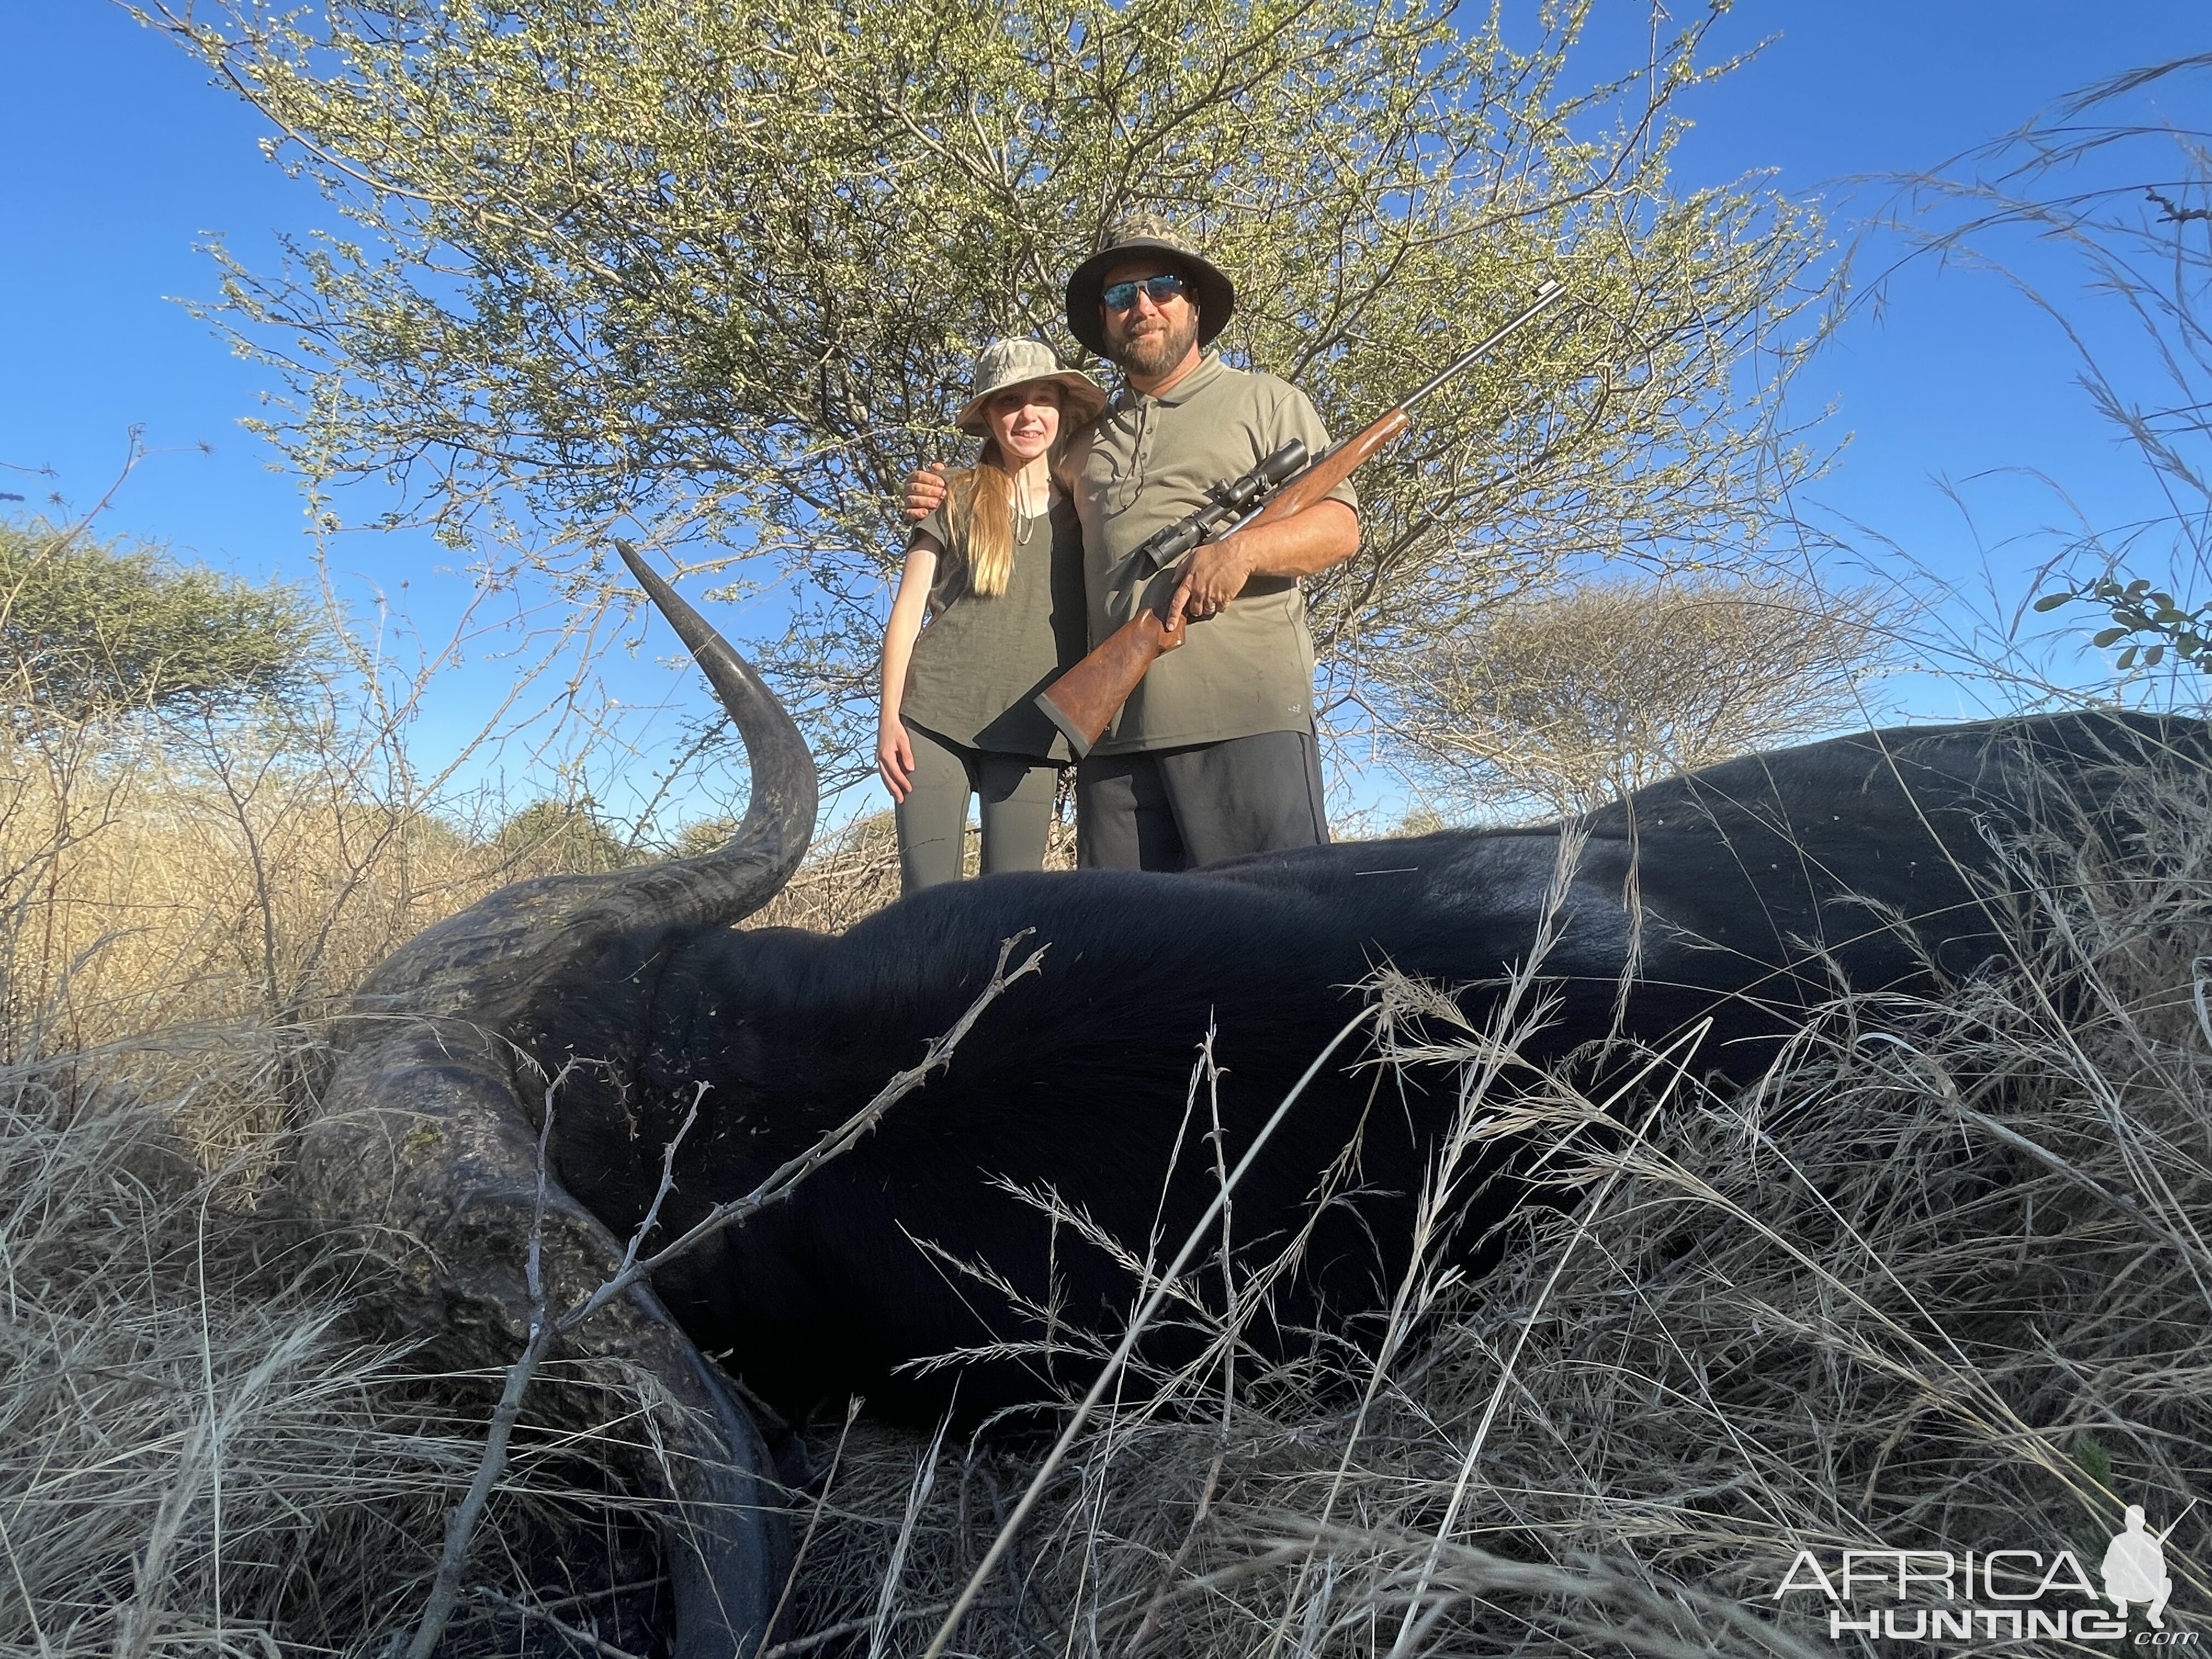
925, 490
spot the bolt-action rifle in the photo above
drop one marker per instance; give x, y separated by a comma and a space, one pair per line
1083, 702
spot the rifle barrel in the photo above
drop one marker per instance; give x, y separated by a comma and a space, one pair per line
1551, 290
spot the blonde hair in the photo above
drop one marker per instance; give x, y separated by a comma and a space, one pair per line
978, 514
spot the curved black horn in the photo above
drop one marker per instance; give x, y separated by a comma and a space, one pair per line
475, 961
787, 791
424, 1146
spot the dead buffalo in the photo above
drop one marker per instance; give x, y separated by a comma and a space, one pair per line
1740, 896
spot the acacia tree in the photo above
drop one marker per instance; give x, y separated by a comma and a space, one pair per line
91, 629
1575, 700
715, 272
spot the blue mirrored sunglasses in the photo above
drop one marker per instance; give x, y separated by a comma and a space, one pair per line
1120, 297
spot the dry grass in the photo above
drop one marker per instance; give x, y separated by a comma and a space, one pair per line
163, 879
195, 1456
853, 871
201, 1455
1946, 1290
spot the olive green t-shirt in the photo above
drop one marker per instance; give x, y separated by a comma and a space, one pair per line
1146, 463
981, 661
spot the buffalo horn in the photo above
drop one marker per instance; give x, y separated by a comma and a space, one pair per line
423, 1147
478, 962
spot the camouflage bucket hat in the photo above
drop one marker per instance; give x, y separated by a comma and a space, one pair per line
1134, 238
1005, 363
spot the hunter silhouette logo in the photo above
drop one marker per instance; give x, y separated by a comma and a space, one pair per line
1935, 1596
2135, 1566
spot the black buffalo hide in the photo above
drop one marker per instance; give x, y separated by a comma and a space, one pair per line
1747, 893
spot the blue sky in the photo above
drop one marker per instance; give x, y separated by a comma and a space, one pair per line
118, 157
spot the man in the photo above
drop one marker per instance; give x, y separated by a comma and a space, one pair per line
1215, 754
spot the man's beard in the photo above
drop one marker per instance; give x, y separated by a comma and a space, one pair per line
1160, 351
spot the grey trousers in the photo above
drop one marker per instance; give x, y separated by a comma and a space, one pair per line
1016, 794
1175, 809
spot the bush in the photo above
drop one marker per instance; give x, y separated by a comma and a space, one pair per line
89, 629
1575, 698
561, 837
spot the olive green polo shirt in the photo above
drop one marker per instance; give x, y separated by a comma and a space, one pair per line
1145, 463
978, 665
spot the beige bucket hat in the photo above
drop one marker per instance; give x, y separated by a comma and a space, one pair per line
1018, 363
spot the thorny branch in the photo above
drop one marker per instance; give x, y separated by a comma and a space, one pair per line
461, 1525
562, 1626
833, 1144
2174, 215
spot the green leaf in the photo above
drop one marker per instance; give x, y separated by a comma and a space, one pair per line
2093, 1460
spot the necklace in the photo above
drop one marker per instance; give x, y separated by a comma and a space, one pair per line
1030, 506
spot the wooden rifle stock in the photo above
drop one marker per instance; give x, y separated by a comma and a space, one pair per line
1083, 702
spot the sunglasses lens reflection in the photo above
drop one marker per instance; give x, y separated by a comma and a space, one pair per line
1120, 297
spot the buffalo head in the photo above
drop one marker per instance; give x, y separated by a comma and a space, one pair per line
426, 1145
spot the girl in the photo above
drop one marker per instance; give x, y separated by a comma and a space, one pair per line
999, 567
